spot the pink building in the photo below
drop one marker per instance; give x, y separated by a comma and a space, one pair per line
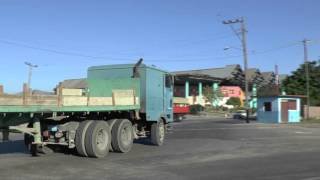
233, 91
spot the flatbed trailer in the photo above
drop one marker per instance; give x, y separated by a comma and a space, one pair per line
120, 103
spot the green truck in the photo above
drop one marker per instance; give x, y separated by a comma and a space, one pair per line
121, 103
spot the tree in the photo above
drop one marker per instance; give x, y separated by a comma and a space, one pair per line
295, 84
234, 101
210, 95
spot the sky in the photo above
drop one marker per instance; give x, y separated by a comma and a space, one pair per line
64, 38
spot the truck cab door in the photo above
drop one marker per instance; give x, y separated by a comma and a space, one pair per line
168, 97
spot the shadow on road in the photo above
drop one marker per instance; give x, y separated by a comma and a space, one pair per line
10, 147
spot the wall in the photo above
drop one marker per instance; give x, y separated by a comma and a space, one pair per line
268, 117
233, 91
314, 112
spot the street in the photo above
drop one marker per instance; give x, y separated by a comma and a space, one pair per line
194, 149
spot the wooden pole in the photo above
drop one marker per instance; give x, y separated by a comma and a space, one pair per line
25, 93
1, 90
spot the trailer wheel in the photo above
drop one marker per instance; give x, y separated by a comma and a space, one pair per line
80, 137
98, 139
157, 133
122, 136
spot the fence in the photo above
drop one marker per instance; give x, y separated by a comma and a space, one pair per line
314, 112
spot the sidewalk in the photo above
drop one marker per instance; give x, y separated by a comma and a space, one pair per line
204, 115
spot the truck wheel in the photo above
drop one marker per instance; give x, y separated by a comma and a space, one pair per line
80, 137
98, 139
157, 133
122, 136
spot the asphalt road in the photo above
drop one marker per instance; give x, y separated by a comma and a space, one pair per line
197, 149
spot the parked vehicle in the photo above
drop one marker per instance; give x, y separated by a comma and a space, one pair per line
180, 108
240, 114
121, 103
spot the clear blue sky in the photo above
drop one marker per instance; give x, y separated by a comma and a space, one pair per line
171, 34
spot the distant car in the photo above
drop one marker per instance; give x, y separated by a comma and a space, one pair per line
240, 114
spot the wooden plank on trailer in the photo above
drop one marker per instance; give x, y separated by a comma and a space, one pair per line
72, 92
59, 93
11, 101
123, 97
1, 90
42, 100
25, 93
100, 101
74, 101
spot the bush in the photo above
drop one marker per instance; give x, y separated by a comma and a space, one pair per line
196, 108
234, 101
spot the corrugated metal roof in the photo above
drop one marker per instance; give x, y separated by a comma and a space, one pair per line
224, 72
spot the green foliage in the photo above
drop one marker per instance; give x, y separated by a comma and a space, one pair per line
269, 90
296, 83
211, 95
195, 109
208, 93
234, 101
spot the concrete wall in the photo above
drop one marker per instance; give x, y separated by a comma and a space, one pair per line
314, 112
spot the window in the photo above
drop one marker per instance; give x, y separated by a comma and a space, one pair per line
267, 106
169, 81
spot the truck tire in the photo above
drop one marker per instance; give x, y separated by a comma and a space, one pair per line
122, 136
98, 139
157, 133
80, 137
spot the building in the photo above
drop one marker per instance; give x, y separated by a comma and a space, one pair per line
230, 75
279, 109
190, 86
231, 91
269, 78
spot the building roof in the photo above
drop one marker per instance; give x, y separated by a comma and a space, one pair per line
181, 78
268, 77
284, 96
226, 72
75, 83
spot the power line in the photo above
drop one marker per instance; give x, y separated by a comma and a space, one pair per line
59, 52
173, 59
276, 49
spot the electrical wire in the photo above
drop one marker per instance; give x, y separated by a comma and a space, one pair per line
176, 59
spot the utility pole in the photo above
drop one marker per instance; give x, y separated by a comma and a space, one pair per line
31, 66
306, 64
245, 58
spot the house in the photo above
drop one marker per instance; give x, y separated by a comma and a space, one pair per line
268, 78
190, 86
230, 75
279, 109
231, 91
255, 77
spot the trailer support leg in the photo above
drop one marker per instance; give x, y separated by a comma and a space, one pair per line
37, 130
5, 134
